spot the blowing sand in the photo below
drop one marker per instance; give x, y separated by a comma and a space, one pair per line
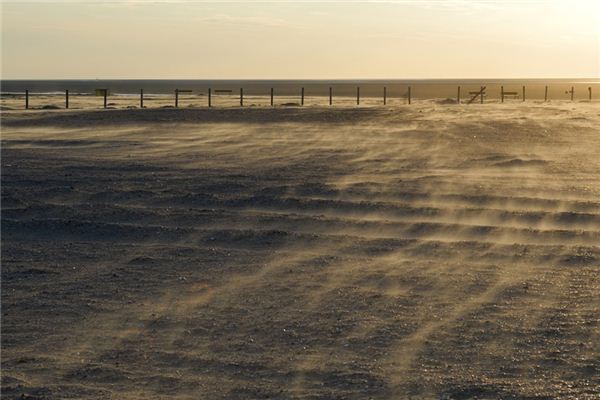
430, 251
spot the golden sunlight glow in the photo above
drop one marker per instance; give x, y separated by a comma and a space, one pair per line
182, 39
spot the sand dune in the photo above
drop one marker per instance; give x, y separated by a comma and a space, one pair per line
430, 251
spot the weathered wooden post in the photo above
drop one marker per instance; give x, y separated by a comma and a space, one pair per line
384, 95
458, 96
409, 95
177, 91
572, 93
271, 97
105, 92
241, 97
26, 99
330, 96
141, 98
502, 93
482, 91
357, 96
302, 97
523, 93
67, 98
546, 94
590, 92
209, 97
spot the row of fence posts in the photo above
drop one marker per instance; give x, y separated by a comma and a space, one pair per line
480, 94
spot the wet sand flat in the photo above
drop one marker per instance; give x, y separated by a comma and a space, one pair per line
423, 251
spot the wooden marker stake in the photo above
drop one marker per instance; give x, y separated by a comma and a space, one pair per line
209, 97
572, 93
384, 95
271, 97
523, 93
546, 94
330, 96
590, 92
458, 96
67, 98
27, 99
176, 98
502, 93
302, 97
105, 97
482, 92
409, 95
357, 96
241, 97
141, 98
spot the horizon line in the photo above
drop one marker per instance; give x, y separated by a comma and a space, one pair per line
300, 79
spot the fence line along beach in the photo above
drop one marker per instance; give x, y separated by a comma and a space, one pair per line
199, 93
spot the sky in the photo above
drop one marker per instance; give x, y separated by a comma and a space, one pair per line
127, 39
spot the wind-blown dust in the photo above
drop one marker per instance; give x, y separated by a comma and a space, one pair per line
425, 251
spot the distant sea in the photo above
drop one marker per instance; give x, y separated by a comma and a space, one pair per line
430, 88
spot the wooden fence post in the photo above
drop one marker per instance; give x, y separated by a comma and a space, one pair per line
26, 99
67, 98
458, 96
271, 97
241, 97
209, 97
572, 93
384, 95
523, 93
176, 98
546, 94
357, 96
302, 97
409, 95
502, 93
330, 96
141, 98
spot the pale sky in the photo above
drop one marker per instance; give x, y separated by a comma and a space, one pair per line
305, 40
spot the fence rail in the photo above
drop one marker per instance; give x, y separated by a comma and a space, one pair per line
407, 96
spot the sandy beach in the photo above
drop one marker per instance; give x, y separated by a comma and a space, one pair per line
431, 251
